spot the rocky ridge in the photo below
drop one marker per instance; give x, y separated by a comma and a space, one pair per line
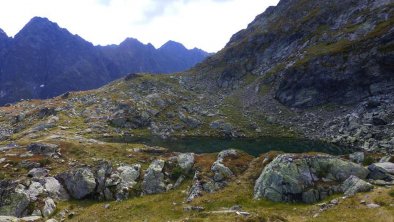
44, 60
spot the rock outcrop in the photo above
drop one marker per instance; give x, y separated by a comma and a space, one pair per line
79, 182
353, 185
154, 178
303, 177
13, 202
382, 171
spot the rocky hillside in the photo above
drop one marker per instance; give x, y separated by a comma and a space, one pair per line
239, 91
44, 60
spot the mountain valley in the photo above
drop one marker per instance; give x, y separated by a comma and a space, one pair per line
304, 70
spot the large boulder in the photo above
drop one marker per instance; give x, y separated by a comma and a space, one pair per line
13, 202
43, 149
128, 176
354, 185
79, 182
381, 171
186, 161
154, 178
303, 177
54, 189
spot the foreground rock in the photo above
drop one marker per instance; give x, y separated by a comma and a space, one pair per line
14, 202
354, 185
217, 178
154, 178
382, 171
305, 178
79, 182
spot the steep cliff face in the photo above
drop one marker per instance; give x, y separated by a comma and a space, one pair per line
313, 52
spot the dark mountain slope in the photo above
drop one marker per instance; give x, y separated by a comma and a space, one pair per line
44, 60
312, 52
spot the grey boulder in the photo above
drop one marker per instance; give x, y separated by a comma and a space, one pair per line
128, 176
381, 171
221, 172
54, 189
354, 185
299, 177
79, 182
46, 149
38, 173
49, 207
13, 202
153, 182
186, 161
357, 157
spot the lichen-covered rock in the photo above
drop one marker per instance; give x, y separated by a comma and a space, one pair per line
154, 178
35, 189
381, 171
13, 202
43, 149
303, 177
226, 153
196, 190
186, 161
38, 173
353, 185
357, 157
128, 176
221, 172
49, 207
54, 189
103, 170
79, 182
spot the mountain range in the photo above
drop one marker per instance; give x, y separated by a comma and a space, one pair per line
44, 60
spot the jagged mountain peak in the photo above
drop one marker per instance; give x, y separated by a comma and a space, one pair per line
44, 54
39, 24
133, 43
3, 35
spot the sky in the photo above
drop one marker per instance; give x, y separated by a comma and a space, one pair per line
205, 24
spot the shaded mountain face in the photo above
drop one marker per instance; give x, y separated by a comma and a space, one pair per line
44, 60
309, 53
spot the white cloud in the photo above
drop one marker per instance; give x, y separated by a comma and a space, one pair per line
206, 24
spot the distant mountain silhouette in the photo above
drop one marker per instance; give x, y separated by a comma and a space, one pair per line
44, 60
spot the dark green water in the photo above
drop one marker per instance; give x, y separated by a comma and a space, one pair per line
251, 146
